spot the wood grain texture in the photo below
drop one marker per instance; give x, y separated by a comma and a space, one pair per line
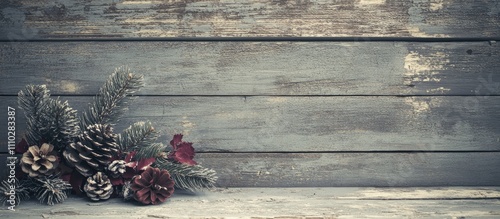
25, 19
354, 169
293, 203
257, 68
249, 124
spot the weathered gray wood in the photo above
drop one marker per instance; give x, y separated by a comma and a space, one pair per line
272, 203
258, 68
261, 123
27, 19
354, 169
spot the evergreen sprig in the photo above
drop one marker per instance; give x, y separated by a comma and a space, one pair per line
33, 100
50, 190
188, 177
110, 102
138, 135
19, 191
47, 119
153, 150
62, 123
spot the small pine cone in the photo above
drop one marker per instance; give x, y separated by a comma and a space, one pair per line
39, 161
98, 187
117, 168
94, 150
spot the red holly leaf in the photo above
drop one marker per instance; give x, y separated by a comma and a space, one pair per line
184, 153
22, 146
176, 140
134, 167
129, 156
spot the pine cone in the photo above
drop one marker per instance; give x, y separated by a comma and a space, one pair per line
153, 186
39, 161
98, 187
117, 168
94, 150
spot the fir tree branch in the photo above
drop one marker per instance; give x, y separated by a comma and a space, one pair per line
62, 123
187, 177
138, 135
51, 120
153, 150
110, 103
50, 190
33, 100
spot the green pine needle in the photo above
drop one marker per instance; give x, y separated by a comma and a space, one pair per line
153, 150
110, 102
192, 178
33, 100
51, 120
50, 190
138, 135
19, 191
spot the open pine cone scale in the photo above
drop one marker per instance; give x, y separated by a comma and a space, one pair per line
39, 160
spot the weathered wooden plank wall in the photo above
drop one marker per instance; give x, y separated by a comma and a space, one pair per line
259, 68
417, 107
327, 123
26, 19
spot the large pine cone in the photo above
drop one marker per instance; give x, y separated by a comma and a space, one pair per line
39, 161
153, 186
94, 150
98, 187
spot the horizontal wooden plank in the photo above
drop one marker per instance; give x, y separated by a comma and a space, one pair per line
267, 203
26, 19
331, 123
257, 68
354, 169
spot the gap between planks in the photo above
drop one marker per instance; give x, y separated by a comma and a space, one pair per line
265, 39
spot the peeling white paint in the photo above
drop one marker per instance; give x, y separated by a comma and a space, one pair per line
187, 125
439, 90
417, 193
421, 68
276, 99
436, 6
418, 105
65, 85
368, 3
416, 32
69, 86
139, 2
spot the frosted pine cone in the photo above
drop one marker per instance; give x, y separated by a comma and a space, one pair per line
93, 152
117, 168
